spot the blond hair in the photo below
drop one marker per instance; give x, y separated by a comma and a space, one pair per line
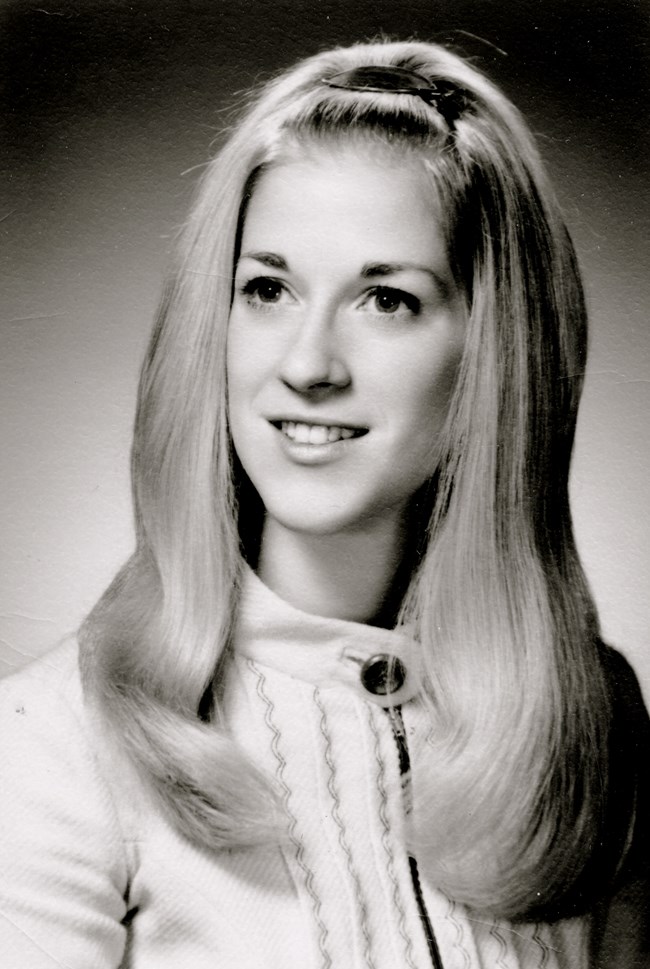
499, 604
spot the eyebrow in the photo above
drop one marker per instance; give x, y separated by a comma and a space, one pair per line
373, 269
369, 270
270, 259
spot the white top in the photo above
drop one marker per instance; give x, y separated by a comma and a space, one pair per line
92, 876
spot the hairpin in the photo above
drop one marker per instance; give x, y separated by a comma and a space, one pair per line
448, 99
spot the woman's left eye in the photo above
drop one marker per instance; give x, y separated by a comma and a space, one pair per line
390, 301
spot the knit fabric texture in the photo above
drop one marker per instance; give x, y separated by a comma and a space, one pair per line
92, 874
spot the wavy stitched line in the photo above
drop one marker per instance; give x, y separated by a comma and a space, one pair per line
343, 841
385, 840
293, 821
540, 942
460, 940
494, 932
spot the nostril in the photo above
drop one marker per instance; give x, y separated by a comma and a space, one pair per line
313, 364
315, 388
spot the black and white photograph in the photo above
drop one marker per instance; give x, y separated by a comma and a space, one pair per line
325, 399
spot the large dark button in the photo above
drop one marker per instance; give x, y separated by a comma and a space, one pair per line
383, 674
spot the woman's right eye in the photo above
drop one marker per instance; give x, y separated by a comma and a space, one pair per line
263, 290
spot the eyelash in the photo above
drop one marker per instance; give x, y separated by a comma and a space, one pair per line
411, 302
252, 288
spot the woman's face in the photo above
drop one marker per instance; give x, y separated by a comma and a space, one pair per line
344, 340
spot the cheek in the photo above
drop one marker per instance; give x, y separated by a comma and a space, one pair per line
251, 356
423, 393
242, 363
237, 377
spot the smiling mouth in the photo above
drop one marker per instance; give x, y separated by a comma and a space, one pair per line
302, 433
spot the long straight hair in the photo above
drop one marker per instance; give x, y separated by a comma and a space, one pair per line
498, 603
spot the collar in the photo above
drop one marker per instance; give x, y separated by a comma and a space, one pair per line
379, 665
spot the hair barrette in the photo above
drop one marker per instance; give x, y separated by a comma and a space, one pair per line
448, 99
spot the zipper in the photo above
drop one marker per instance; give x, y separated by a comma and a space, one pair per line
399, 733
434, 951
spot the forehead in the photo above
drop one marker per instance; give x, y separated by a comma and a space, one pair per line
346, 197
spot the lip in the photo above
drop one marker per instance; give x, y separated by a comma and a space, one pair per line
294, 430
320, 452
317, 422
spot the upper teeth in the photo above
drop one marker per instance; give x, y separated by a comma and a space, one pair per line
315, 433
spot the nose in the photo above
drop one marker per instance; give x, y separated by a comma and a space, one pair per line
314, 361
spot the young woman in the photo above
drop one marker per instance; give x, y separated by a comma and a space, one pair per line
347, 705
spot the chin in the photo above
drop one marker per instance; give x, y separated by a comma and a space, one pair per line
315, 525
329, 522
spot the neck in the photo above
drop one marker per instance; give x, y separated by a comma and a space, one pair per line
343, 576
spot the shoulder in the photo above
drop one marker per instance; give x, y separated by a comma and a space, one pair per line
41, 704
629, 724
64, 863
622, 679
52, 678
43, 718
52, 739
49, 757
621, 925
629, 732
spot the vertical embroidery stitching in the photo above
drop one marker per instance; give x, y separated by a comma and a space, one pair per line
390, 866
343, 841
293, 821
542, 945
460, 940
494, 932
